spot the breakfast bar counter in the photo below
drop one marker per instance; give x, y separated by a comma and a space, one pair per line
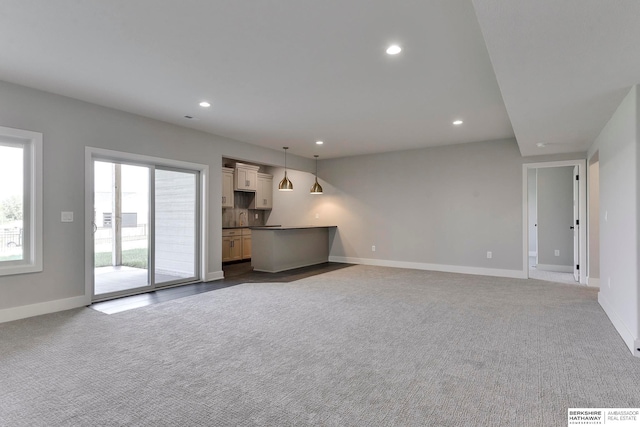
281, 248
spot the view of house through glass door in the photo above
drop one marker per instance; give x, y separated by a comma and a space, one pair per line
145, 228
176, 231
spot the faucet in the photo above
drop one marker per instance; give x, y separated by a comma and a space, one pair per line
241, 224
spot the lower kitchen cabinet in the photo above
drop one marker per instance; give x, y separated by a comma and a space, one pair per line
236, 244
246, 243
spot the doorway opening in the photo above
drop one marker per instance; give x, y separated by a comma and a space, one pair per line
554, 234
145, 221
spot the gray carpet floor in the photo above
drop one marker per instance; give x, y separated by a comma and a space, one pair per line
360, 346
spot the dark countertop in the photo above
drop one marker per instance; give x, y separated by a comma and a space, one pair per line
249, 226
291, 227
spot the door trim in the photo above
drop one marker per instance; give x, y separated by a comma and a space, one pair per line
91, 154
582, 214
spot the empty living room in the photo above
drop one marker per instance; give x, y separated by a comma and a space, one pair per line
292, 213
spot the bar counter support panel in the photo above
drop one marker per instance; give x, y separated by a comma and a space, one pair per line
276, 249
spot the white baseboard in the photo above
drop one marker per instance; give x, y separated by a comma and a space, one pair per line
214, 275
556, 268
533, 253
478, 271
24, 311
594, 282
632, 342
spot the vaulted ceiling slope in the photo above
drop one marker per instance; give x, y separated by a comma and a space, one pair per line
563, 67
291, 72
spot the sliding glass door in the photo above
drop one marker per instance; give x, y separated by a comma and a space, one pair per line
145, 228
176, 231
121, 238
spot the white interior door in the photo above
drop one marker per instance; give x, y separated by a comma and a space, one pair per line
576, 225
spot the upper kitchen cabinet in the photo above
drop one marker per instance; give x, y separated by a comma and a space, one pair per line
227, 188
246, 177
264, 193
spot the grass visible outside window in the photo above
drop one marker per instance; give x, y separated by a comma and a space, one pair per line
20, 201
131, 258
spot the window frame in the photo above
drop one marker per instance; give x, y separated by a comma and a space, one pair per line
32, 201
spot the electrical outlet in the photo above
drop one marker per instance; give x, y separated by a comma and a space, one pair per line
556, 252
373, 248
317, 216
256, 216
489, 254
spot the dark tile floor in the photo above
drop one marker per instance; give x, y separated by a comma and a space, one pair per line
235, 274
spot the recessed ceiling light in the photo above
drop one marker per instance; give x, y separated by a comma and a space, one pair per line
541, 145
319, 142
394, 49
458, 122
205, 104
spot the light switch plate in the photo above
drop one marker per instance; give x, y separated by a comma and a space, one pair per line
66, 216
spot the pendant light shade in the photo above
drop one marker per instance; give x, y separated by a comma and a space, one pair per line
285, 184
316, 188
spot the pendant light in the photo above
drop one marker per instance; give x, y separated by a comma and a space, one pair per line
285, 184
316, 188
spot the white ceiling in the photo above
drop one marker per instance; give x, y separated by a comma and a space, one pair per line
563, 66
289, 72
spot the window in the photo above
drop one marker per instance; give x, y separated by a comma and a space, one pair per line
20, 201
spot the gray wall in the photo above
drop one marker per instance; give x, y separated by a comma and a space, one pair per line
68, 126
619, 156
297, 207
439, 206
555, 216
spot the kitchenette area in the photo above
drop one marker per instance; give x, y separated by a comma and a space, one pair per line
248, 240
